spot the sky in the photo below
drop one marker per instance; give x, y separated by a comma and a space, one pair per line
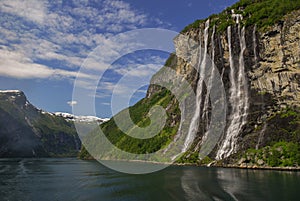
44, 44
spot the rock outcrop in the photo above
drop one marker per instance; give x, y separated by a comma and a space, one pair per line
278, 68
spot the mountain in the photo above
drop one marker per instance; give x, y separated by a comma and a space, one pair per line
26, 131
253, 50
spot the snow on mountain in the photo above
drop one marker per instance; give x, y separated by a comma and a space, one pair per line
71, 117
10, 91
19, 97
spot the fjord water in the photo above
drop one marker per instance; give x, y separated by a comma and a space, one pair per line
73, 179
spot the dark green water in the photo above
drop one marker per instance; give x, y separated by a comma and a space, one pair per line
72, 179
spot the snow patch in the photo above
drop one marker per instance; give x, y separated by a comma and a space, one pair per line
71, 117
10, 91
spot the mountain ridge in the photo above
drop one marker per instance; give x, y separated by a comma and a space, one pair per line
26, 131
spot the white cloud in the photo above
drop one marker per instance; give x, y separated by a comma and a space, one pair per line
33, 10
16, 65
122, 12
8, 34
63, 34
107, 86
72, 103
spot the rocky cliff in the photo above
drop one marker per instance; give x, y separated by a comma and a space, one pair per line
26, 131
251, 51
260, 71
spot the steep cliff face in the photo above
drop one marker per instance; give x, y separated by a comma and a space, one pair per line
26, 131
260, 71
246, 61
278, 54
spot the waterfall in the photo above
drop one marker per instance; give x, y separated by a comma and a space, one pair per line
243, 87
202, 62
238, 92
205, 115
232, 99
260, 136
238, 98
254, 45
209, 84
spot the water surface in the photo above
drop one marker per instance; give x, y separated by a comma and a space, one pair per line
73, 179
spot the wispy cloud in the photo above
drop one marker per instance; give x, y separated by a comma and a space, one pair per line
51, 39
17, 65
32, 10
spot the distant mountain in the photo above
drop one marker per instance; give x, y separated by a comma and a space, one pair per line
26, 131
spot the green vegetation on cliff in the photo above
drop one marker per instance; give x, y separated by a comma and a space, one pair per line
281, 146
280, 154
263, 13
59, 137
139, 115
49, 124
284, 125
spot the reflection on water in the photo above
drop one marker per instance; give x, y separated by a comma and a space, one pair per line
239, 184
72, 179
206, 184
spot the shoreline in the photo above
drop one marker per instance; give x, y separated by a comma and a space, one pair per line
250, 167
243, 167
295, 169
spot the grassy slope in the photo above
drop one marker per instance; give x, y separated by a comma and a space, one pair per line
139, 115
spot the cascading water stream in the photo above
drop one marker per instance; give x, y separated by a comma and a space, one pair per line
243, 86
238, 93
232, 100
205, 115
260, 137
238, 98
254, 45
202, 62
209, 84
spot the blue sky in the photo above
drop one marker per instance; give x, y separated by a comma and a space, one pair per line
44, 43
